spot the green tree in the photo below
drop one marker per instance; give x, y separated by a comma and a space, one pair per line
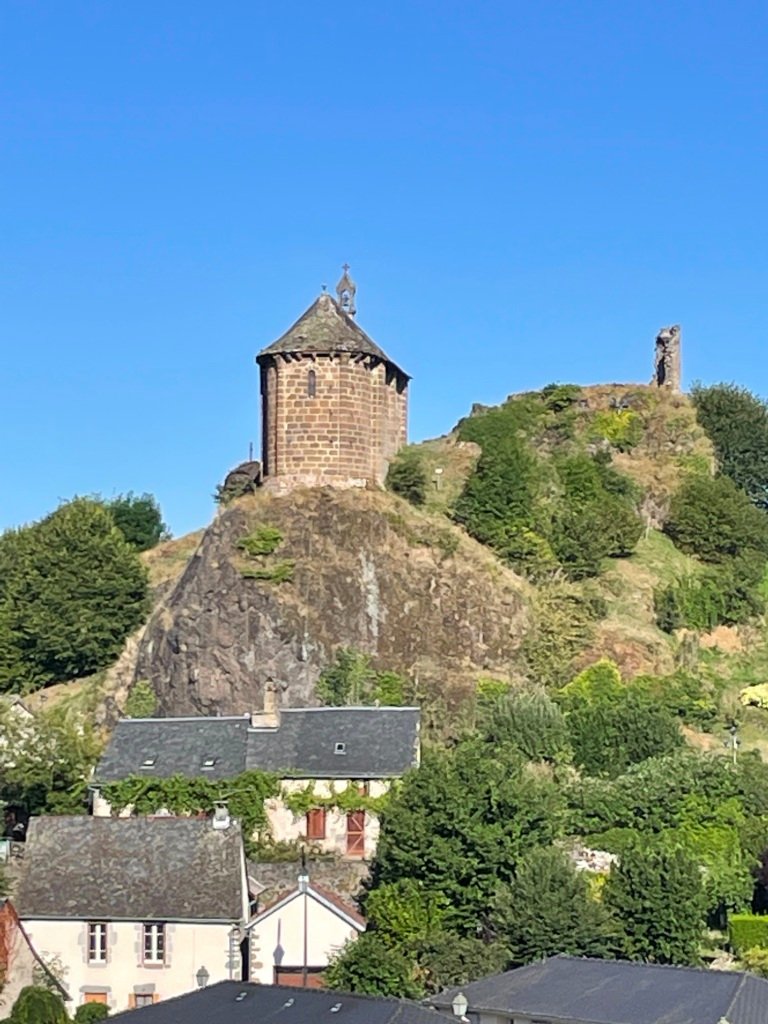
371, 967
351, 679
737, 424
656, 897
404, 912
45, 763
71, 590
36, 1005
714, 520
612, 735
530, 721
141, 701
547, 909
407, 477
459, 823
89, 1013
446, 959
139, 519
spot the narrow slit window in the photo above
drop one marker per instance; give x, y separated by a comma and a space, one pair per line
311, 384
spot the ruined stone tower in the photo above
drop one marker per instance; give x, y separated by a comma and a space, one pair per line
333, 405
666, 368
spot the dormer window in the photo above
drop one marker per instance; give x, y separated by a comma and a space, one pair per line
209, 763
148, 762
340, 748
311, 384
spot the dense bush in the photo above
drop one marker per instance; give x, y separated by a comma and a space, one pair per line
656, 898
37, 1005
71, 590
139, 519
460, 822
611, 736
141, 701
372, 967
351, 679
573, 510
547, 908
746, 931
89, 1013
407, 477
714, 520
737, 424
528, 721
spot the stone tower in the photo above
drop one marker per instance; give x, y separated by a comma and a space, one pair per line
666, 368
333, 405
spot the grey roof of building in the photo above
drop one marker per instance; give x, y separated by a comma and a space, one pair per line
586, 991
325, 327
136, 869
377, 743
238, 1002
178, 746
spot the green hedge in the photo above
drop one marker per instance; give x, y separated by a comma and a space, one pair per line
747, 931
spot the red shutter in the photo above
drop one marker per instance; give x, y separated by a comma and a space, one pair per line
356, 834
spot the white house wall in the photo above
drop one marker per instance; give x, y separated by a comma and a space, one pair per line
286, 826
188, 947
284, 928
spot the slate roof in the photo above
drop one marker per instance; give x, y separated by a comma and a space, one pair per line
586, 991
377, 742
237, 1002
179, 746
135, 869
325, 327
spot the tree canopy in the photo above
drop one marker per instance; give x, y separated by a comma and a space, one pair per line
736, 422
71, 590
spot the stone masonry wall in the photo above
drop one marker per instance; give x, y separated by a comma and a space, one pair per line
338, 416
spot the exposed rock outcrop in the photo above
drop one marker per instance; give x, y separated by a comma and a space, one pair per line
366, 571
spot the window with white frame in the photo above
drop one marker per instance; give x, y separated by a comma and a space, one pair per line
97, 942
154, 943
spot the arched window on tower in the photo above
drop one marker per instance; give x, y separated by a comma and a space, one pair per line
311, 384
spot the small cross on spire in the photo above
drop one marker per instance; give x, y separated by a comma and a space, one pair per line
345, 290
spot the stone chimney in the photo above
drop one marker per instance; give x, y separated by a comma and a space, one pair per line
269, 716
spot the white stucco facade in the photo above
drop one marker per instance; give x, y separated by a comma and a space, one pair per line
302, 928
124, 976
285, 826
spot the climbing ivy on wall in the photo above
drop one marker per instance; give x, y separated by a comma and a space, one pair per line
243, 794
346, 800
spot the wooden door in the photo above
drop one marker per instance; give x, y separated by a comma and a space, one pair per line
356, 834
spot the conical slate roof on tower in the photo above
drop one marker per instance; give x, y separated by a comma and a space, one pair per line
325, 327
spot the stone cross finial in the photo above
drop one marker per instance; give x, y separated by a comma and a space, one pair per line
345, 290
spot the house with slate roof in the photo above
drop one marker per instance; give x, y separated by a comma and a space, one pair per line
317, 752
134, 908
573, 990
237, 1003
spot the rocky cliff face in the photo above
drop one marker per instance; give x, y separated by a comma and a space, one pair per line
366, 571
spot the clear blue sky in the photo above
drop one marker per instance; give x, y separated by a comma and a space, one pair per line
526, 192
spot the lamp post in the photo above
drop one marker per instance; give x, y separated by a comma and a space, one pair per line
459, 1006
202, 977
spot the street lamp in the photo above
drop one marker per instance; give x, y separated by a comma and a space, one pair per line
459, 1006
202, 977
